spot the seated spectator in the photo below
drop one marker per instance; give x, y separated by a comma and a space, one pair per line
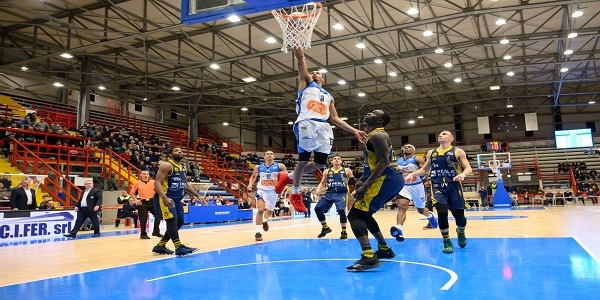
129, 210
568, 196
4, 192
48, 204
559, 196
549, 196
194, 202
6, 182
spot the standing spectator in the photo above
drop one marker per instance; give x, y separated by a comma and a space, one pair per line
87, 207
23, 198
483, 196
483, 148
307, 200
6, 181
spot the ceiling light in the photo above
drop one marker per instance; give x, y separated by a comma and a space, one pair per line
271, 40
24, 68
509, 105
332, 127
361, 94
411, 122
249, 79
457, 79
504, 41
66, 55
507, 57
439, 50
592, 102
102, 88
290, 123
408, 87
420, 117
412, 11
244, 109
577, 13
378, 61
500, 22
344, 118
494, 87
427, 32
58, 84
448, 65
323, 71
175, 88
225, 124
563, 70
233, 18
342, 82
393, 74
145, 99
568, 51
214, 66
511, 73
572, 35
338, 26
360, 46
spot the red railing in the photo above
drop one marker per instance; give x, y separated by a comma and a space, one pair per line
210, 134
25, 160
232, 177
125, 171
67, 156
66, 116
10, 110
45, 136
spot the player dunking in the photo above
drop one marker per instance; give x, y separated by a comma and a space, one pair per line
447, 166
414, 191
313, 134
265, 191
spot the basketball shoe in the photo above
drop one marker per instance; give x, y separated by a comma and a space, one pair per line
265, 226
397, 233
296, 200
324, 232
365, 263
282, 180
162, 250
462, 238
448, 247
184, 250
258, 237
433, 222
385, 253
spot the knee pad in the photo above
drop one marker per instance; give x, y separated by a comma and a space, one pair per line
343, 218
372, 224
459, 216
179, 223
442, 211
356, 214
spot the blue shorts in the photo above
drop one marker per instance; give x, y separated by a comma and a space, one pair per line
448, 193
383, 189
164, 213
331, 198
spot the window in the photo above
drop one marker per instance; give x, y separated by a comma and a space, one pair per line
173, 115
137, 106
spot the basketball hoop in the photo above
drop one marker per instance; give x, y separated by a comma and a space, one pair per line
297, 24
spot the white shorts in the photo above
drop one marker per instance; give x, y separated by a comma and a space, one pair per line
313, 136
269, 196
416, 193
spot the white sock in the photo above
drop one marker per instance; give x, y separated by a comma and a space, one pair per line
265, 220
291, 175
296, 190
431, 216
258, 228
399, 226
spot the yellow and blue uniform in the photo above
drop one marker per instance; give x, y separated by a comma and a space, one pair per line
174, 187
443, 189
337, 191
384, 188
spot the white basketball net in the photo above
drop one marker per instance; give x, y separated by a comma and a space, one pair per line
297, 24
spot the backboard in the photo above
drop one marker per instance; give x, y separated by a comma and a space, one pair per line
488, 161
199, 11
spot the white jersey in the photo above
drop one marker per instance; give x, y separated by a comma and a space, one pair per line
267, 176
313, 103
408, 166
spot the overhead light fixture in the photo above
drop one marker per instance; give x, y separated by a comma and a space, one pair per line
342, 82
500, 22
338, 26
494, 87
249, 79
448, 65
439, 50
362, 94
290, 123
175, 88
592, 102
511, 73
23, 68
408, 87
420, 117
504, 41
412, 11
378, 61
509, 105
66, 55
360, 46
578, 13
233, 18
58, 84
344, 118
393, 74
244, 109
145, 99
214, 66
568, 52
411, 121
225, 124
271, 40
572, 35
457, 79
563, 70
427, 32
507, 57
323, 71
102, 88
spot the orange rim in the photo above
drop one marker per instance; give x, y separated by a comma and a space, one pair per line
285, 16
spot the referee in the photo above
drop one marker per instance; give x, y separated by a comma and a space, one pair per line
142, 193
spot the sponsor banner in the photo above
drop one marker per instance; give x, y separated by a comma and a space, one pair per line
25, 227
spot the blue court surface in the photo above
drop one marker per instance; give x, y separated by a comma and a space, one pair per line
488, 268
